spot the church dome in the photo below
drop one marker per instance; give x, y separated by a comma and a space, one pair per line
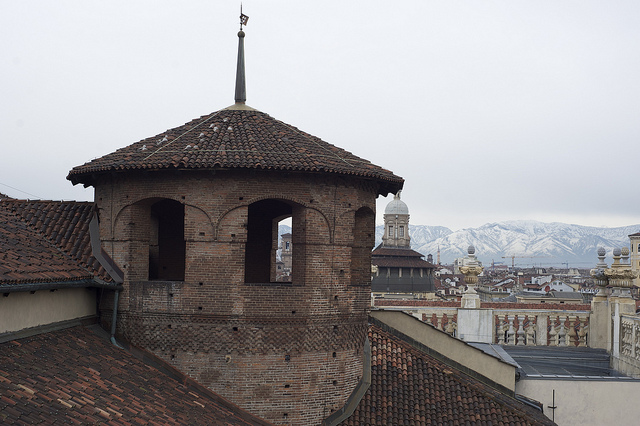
396, 206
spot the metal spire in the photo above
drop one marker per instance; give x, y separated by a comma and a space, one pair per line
241, 87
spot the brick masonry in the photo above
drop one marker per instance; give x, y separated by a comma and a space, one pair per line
289, 353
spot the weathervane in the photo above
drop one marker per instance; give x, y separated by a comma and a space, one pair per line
243, 18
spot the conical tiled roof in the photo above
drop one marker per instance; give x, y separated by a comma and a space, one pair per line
238, 137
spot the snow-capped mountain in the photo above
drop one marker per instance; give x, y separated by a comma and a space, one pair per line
531, 242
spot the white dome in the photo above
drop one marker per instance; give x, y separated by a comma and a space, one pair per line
396, 206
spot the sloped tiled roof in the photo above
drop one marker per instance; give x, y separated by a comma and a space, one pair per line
398, 257
60, 224
399, 262
395, 252
410, 387
26, 257
73, 376
236, 139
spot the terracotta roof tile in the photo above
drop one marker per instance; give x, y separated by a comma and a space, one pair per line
75, 376
26, 257
232, 139
63, 224
410, 387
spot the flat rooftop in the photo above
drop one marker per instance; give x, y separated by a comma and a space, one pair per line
551, 362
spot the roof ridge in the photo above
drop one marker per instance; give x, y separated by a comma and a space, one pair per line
295, 129
211, 115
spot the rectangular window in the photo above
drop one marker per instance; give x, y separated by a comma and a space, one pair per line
167, 246
391, 231
263, 219
401, 231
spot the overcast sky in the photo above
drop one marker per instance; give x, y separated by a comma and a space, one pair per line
490, 110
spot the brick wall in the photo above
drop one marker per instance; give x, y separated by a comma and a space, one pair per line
290, 353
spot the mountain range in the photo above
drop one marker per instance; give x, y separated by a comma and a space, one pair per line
531, 243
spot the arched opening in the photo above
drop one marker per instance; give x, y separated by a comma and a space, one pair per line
167, 248
262, 240
363, 241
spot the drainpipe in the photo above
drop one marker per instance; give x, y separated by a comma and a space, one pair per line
114, 318
112, 269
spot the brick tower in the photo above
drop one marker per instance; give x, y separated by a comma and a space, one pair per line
191, 217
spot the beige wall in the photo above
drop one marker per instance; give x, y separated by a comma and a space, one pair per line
586, 402
456, 350
24, 310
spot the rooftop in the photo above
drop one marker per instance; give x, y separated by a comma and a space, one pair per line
410, 387
76, 376
236, 138
47, 242
383, 251
552, 362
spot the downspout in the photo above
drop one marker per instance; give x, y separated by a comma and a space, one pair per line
110, 266
114, 318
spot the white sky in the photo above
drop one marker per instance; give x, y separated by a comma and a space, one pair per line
490, 110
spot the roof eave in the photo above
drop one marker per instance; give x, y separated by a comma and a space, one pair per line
89, 178
58, 285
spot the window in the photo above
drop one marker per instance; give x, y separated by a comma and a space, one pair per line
167, 247
401, 231
363, 242
262, 241
391, 231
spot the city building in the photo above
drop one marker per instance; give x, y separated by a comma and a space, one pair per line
399, 270
284, 265
176, 258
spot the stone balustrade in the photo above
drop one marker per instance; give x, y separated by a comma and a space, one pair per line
446, 321
629, 355
541, 328
510, 324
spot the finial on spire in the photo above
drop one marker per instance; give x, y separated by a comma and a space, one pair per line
243, 18
241, 86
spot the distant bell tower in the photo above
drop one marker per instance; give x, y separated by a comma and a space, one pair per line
396, 224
